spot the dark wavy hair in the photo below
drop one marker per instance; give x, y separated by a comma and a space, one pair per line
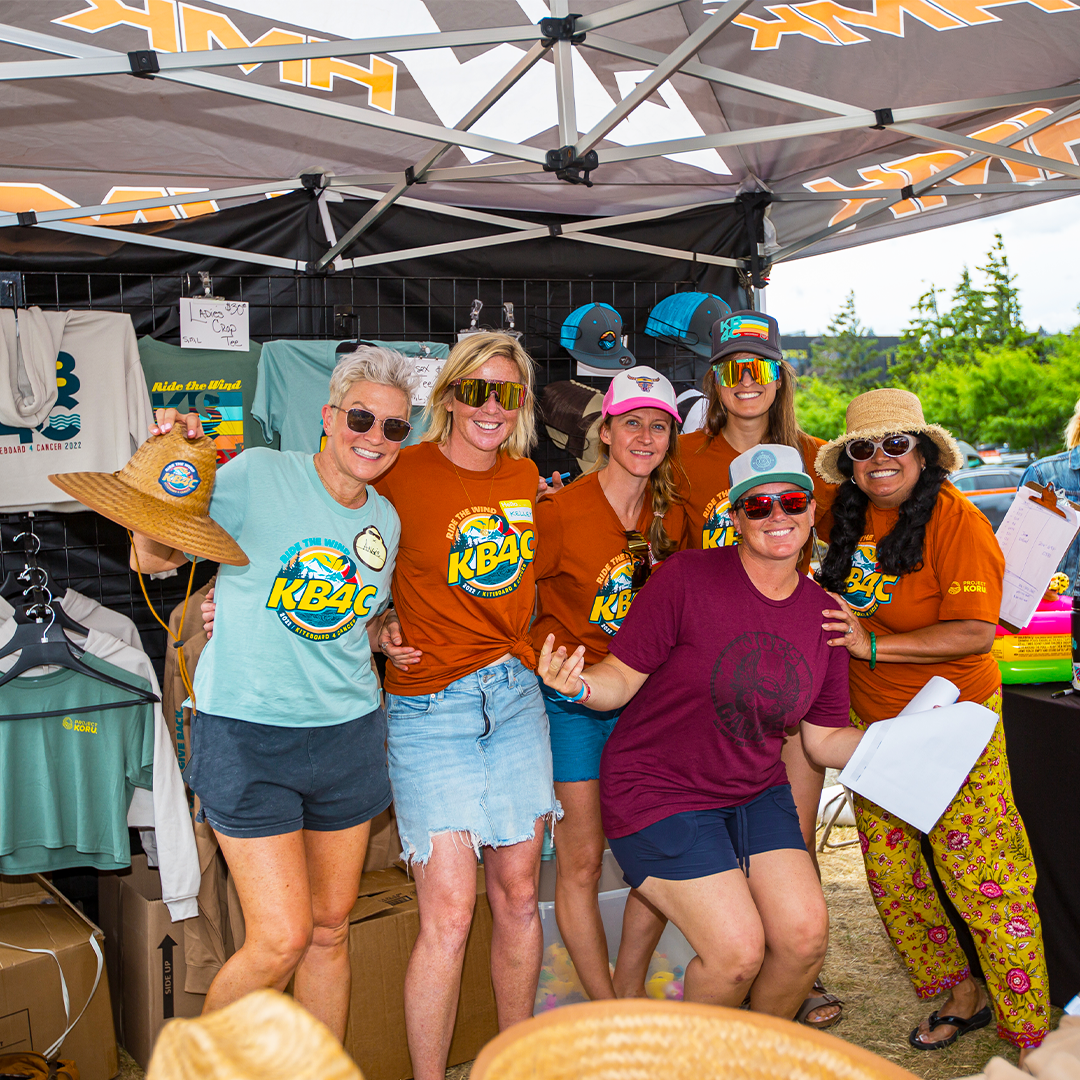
901, 551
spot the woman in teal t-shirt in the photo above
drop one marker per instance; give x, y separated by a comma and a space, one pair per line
288, 741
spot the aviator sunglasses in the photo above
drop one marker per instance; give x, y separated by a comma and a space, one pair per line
475, 392
394, 429
638, 548
891, 446
759, 507
762, 371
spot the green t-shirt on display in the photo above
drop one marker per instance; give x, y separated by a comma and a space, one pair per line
219, 385
66, 781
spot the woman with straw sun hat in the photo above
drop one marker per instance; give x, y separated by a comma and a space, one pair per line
288, 756
916, 573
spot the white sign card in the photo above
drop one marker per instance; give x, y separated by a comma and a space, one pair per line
214, 324
426, 369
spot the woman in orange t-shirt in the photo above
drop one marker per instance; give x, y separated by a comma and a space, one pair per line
600, 538
467, 734
750, 391
918, 574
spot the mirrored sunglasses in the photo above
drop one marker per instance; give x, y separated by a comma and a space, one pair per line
759, 507
475, 392
762, 371
891, 446
394, 429
638, 549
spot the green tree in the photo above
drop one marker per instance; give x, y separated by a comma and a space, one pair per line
846, 353
820, 406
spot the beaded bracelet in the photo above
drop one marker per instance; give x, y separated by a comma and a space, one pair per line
873, 650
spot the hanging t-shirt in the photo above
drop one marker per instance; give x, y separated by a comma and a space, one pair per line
729, 671
294, 385
290, 645
463, 586
219, 386
960, 578
101, 416
583, 566
89, 764
711, 523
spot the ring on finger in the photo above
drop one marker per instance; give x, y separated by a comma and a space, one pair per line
850, 630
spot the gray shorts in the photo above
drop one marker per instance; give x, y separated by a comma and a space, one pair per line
264, 780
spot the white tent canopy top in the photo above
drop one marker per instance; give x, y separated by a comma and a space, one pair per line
857, 120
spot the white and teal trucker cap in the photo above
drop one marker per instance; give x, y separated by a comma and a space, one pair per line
767, 463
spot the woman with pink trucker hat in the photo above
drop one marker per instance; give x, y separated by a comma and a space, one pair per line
599, 539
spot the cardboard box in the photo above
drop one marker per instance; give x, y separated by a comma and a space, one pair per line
34, 915
145, 956
383, 926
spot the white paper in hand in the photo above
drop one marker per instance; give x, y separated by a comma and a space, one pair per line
914, 764
214, 324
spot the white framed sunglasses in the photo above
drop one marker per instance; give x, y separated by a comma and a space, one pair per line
893, 446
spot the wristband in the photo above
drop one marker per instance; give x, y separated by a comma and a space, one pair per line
581, 696
873, 650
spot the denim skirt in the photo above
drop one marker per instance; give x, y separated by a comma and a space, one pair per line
473, 759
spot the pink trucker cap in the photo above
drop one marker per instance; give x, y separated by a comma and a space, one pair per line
640, 388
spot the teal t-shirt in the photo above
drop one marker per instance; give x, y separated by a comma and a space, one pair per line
219, 386
290, 645
66, 781
294, 385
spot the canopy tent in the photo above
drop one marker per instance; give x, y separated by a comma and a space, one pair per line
530, 128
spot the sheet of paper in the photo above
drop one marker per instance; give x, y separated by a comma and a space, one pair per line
426, 369
915, 767
933, 695
213, 324
1033, 540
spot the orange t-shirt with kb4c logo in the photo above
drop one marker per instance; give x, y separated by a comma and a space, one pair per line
583, 566
960, 578
463, 582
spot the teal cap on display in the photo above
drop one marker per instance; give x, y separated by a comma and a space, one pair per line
687, 318
767, 463
592, 334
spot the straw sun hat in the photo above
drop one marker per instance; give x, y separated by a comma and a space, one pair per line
163, 492
885, 412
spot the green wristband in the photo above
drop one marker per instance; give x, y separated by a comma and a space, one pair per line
873, 650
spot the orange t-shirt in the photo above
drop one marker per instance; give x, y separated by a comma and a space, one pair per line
463, 584
583, 566
960, 578
708, 511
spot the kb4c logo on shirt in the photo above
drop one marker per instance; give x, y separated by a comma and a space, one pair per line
719, 528
614, 595
488, 557
318, 593
867, 588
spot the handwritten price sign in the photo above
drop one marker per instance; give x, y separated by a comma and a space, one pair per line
213, 324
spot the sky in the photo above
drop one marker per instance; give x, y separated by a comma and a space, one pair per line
1041, 242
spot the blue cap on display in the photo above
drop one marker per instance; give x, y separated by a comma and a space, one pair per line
592, 334
687, 318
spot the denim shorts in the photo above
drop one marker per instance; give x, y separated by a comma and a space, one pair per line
264, 780
698, 843
474, 758
578, 734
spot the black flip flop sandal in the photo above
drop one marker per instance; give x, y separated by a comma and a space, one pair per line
963, 1026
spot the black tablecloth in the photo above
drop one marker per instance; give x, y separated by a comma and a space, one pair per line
1043, 739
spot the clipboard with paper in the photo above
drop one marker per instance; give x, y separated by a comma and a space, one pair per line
914, 764
1033, 537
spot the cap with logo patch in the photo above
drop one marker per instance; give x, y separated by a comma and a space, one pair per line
746, 331
592, 334
640, 388
767, 463
687, 318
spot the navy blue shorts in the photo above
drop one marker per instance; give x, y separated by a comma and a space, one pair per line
697, 843
264, 780
578, 734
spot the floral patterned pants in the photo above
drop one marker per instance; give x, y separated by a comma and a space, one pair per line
982, 856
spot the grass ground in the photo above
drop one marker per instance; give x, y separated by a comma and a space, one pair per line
863, 969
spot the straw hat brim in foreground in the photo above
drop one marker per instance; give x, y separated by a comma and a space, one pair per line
263, 1036
636, 1039
887, 411
112, 498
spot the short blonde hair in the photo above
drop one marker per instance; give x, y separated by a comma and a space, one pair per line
1072, 428
373, 364
466, 357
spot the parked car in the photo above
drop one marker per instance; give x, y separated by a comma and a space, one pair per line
990, 488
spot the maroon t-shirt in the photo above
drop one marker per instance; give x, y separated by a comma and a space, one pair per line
729, 670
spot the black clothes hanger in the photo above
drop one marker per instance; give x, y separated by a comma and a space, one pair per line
44, 644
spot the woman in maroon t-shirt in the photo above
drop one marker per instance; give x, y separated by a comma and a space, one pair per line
718, 656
